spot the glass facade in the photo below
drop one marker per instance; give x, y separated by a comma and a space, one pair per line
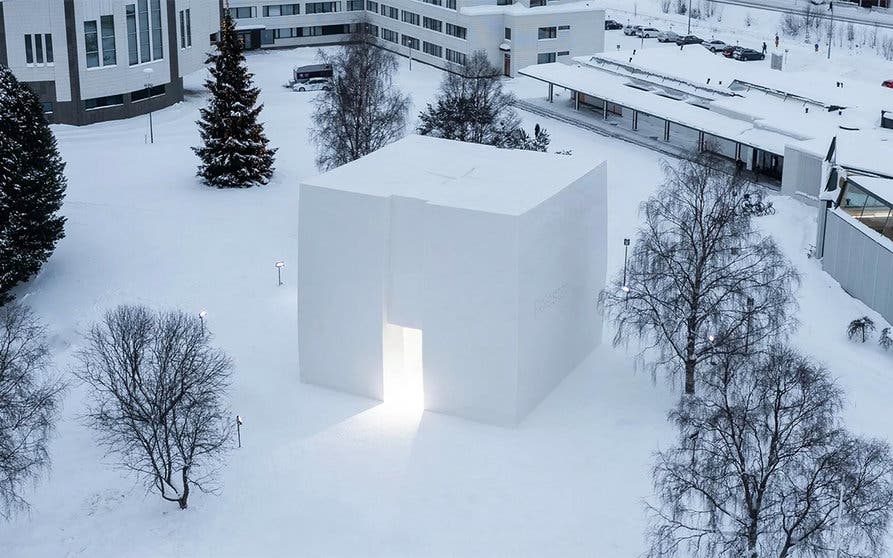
870, 210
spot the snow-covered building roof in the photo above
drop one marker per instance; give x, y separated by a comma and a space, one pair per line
458, 174
518, 9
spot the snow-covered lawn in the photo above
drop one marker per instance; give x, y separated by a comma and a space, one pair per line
326, 474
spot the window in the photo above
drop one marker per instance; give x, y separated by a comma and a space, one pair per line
545, 57
434, 2
144, 33
508, 33
48, 44
392, 12
147, 93
564, 27
564, 53
282, 10
451, 4
872, 212
109, 53
91, 43
157, 43
432, 24
410, 17
185, 29
456, 30
504, 2
100, 102
29, 50
455, 57
547, 33
38, 49
432, 49
47, 105
132, 46
287, 33
537, 3
388, 35
372, 30
322, 7
242, 13
410, 42
336, 29
354, 5
372, 6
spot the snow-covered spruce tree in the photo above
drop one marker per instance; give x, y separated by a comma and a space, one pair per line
364, 110
700, 281
235, 151
157, 398
472, 106
29, 399
860, 329
763, 468
32, 185
885, 340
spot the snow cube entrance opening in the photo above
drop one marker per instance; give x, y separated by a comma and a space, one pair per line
403, 383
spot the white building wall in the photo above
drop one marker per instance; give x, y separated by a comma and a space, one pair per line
37, 17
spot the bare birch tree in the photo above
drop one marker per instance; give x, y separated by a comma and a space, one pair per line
764, 469
364, 110
701, 282
157, 397
29, 401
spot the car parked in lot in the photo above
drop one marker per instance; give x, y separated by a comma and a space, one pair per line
313, 84
668, 37
714, 45
888, 83
746, 54
689, 40
730, 50
611, 25
647, 33
631, 29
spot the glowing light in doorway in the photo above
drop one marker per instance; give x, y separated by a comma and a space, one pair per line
403, 383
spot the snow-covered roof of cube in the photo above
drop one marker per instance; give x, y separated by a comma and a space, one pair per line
458, 174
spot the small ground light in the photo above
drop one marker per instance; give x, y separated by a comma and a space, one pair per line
201, 317
279, 265
239, 429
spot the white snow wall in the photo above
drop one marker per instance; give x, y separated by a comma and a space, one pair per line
506, 303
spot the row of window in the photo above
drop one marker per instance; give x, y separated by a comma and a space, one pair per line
185, 29
314, 31
414, 44
295, 9
547, 57
39, 49
117, 100
427, 22
872, 211
99, 42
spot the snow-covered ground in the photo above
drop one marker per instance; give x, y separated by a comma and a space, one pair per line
326, 474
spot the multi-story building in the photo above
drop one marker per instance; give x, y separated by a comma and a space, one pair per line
438, 32
96, 60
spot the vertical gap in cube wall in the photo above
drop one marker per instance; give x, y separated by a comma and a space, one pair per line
403, 379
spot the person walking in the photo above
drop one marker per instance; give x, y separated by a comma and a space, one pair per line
817, 47
776, 40
764, 48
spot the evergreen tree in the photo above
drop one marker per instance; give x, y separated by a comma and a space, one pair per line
32, 185
235, 152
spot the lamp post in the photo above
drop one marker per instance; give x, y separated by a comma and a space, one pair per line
279, 265
239, 429
625, 258
148, 74
689, 18
201, 317
830, 28
747, 334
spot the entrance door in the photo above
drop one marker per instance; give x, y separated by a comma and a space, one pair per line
507, 64
403, 383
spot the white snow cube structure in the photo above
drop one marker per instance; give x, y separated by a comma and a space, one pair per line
497, 255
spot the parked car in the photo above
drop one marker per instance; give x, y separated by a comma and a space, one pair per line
668, 37
647, 32
689, 40
631, 29
888, 83
746, 54
730, 50
611, 25
714, 45
313, 84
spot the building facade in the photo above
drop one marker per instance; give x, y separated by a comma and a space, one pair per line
442, 33
96, 60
